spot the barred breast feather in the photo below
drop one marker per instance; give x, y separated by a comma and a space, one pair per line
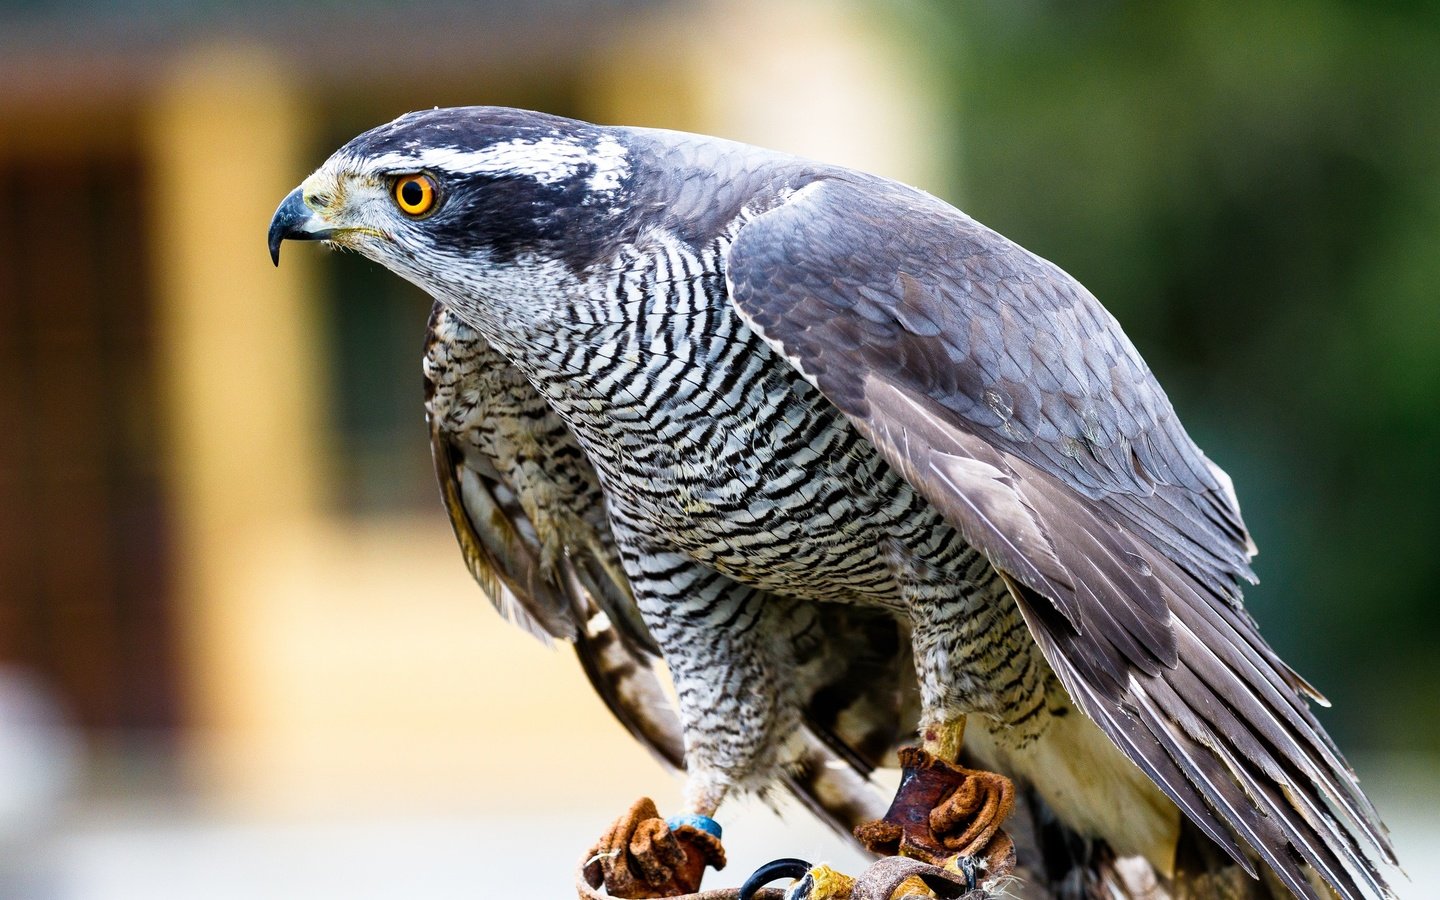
528, 513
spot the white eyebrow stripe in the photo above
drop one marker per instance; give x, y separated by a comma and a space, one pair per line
548, 160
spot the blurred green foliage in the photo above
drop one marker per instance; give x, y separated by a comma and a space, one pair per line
1253, 189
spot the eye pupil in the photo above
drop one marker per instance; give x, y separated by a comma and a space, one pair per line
412, 193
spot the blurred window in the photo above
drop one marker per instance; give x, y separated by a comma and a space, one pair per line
84, 552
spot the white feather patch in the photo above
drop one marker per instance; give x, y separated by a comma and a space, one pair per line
612, 165
549, 160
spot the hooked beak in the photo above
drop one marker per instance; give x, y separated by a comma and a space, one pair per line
296, 222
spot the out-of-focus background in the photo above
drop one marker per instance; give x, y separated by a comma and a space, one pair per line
239, 653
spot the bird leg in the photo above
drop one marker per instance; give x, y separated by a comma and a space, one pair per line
735, 711
944, 813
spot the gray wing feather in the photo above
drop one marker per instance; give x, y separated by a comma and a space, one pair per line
1003, 391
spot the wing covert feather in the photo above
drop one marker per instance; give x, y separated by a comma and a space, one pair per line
1003, 391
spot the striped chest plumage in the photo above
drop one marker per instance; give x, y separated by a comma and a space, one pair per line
709, 443
703, 436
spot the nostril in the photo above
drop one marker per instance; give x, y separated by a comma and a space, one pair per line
316, 201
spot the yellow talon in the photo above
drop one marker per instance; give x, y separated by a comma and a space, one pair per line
911, 887
827, 884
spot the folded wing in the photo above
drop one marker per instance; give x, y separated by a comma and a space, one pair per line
1003, 391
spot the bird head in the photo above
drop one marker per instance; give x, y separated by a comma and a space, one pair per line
465, 201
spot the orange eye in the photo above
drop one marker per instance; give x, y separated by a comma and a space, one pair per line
415, 194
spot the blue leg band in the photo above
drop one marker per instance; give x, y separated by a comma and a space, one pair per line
703, 823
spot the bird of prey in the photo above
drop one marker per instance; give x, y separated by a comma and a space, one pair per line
852, 464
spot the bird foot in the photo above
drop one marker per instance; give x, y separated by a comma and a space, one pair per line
642, 857
945, 815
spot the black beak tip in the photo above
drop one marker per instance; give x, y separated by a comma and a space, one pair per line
779, 868
287, 221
